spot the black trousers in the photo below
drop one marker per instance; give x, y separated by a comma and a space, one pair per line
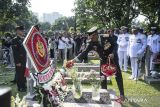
77, 49
51, 53
21, 79
118, 77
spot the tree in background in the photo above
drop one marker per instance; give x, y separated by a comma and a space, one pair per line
63, 23
151, 10
15, 12
45, 26
105, 13
116, 13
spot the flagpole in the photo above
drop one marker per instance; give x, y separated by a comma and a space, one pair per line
65, 54
55, 53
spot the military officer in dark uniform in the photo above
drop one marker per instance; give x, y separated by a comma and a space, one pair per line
106, 47
19, 55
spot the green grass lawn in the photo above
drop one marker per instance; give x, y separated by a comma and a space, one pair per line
139, 94
6, 79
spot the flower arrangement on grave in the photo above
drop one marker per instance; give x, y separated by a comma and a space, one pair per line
93, 77
95, 82
77, 86
72, 72
49, 83
17, 102
69, 64
52, 94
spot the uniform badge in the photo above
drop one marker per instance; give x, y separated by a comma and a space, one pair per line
107, 45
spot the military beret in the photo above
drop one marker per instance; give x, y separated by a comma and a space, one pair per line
92, 30
20, 28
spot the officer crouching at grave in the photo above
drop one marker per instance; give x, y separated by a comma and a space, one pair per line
19, 55
106, 47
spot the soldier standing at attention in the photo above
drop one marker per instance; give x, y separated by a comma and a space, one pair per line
106, 47
19, 55
136, 48
153, 41
122, 48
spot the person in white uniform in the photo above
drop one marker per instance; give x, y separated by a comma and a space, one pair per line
153, 41
122, 42
136, 48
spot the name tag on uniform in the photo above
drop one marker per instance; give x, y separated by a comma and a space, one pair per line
127, 38
139, 41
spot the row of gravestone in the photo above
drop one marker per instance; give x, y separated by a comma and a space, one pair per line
85, 69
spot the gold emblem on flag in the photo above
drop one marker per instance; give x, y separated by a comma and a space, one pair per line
40, 48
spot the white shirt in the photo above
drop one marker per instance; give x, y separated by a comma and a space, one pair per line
69, 42
122, 42
50, 42
153, 41
61, 43
137, 45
